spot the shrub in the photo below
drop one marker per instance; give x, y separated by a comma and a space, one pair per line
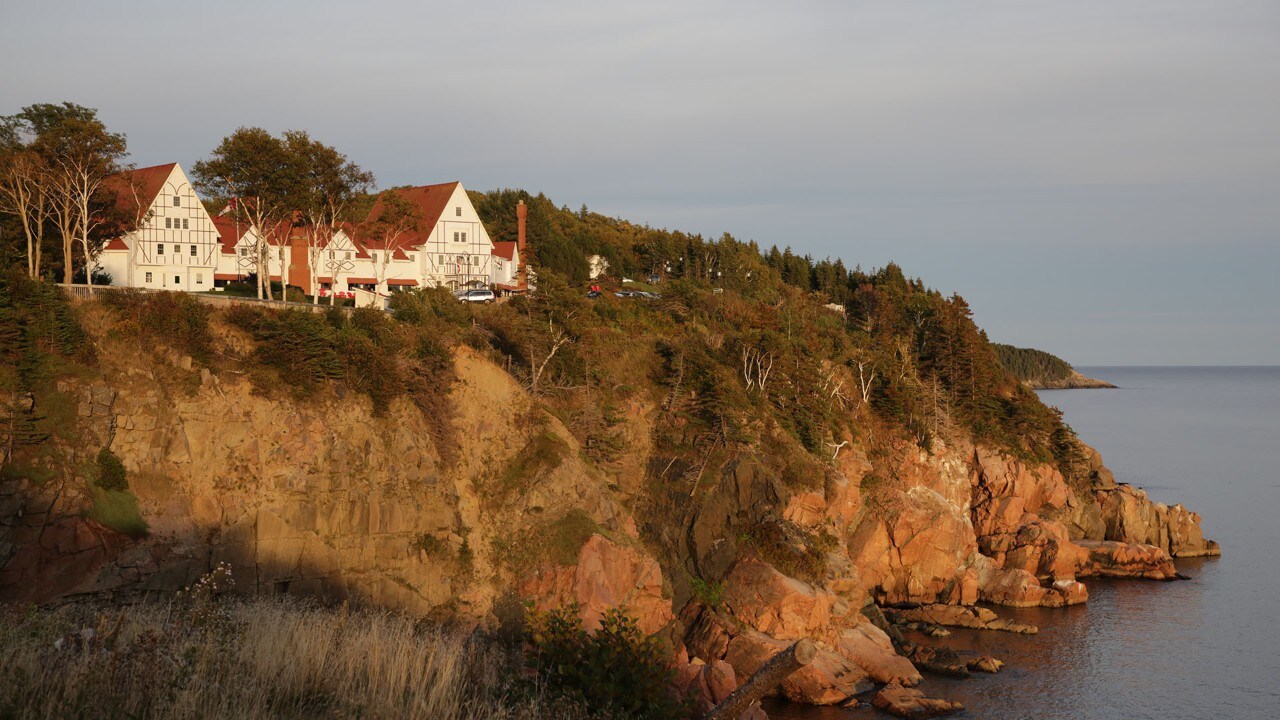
707, 593
111, 474
174, 318
566, 536
615, 672
117, 510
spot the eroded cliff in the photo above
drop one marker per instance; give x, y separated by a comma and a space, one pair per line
731, 554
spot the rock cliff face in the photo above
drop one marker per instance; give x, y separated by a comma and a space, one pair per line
319, 496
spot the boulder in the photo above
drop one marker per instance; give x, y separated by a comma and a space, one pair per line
1120, 559
940, 660
775, 604
830, 679
868, 647
911, 703
986, 664
975, 618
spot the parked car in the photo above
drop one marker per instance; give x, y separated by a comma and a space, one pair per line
627, 293
655, 279
480, 296
593, 294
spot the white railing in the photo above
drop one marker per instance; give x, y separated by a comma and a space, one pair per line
82, 291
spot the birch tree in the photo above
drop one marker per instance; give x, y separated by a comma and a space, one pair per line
391, 228
71, 156
330, 185
24, 193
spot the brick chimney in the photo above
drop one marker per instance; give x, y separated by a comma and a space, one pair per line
522, 211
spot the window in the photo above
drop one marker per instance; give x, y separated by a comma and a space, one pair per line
374, 256
199, 278
455, 237
348, 254
441, 260
177, 201
458, 211
244, 252
160, 249
464, 237
177, 279
331, 254
410, 257
148, 278
168, 222
193, 251
184, 223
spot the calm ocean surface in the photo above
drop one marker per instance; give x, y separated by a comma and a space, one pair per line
1209, 647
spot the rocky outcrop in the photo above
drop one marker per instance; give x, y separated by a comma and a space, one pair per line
1130, 516
708, 684
607, 575
1073, 381
974, 618
911, 703
1116, 559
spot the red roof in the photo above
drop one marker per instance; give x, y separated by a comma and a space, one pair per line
116, 244
229, 233
505, 250
431, 201
145, 182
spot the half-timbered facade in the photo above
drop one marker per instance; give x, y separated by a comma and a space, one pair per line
175, 247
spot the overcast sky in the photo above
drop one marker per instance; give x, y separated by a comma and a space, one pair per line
1099, 179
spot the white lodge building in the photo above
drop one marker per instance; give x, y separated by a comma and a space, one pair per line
180, 247
176, 247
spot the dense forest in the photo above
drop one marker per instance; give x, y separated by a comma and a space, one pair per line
811, 340
1029, 364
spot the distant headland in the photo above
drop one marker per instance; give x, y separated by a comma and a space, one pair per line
1043, 371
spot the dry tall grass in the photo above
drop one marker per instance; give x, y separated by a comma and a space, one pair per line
257, 658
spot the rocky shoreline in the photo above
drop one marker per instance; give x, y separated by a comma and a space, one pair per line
1074, 381
341, 504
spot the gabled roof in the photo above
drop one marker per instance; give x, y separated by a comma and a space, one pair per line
431, 201
228, 233
505, 250
147, 182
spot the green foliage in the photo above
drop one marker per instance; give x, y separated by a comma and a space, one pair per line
791, 549
176, 319
118, 510
39, 331
707, 593
1031, 365
616, 671
435, 308
544, 452
111, 473
565, 537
